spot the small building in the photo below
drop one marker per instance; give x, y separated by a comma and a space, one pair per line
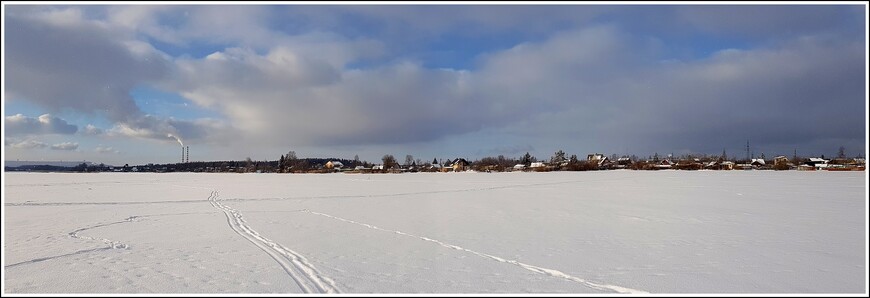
665, 164
780, 160
519, 167
334, 164
757, 163
720, 165
599, 159
623, 162
817, 163
460, 164
536, 165
693, 164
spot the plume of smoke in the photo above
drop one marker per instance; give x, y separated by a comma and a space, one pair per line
176, 138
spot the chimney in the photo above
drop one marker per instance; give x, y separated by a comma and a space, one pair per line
182, 154
187, 159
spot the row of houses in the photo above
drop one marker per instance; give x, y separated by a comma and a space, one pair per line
597, 161
457, 165
778, 163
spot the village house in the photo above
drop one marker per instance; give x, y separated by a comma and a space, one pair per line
780, 160
688, 164
599, 159
720, 165
817, 163
460, 164
664, 164
334, 165
757, 163
623, 162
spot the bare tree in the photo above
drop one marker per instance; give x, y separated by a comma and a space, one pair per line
409, 159
389, 161
289, 161
248, 164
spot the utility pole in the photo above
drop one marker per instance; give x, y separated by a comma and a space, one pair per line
747, 151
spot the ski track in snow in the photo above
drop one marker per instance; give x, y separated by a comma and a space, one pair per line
112, 244
37, 260
306, 276
536, 269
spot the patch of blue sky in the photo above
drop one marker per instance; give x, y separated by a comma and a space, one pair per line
462, 51
24, 107
193, 50
699, 47
166, 104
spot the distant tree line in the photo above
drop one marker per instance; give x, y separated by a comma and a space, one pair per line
559, 161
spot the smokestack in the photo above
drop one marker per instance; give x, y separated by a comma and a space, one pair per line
182, 154
187, 159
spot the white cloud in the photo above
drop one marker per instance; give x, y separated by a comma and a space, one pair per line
26, 144
92, 130
284, 95
19, 124
105, 149
67, 146
158, 128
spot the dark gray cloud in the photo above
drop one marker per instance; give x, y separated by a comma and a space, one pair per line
396, 20
771, 21
58, 63
19, 124
596, 84
808, 91
509, 151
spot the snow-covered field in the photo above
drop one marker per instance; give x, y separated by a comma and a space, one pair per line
561, 232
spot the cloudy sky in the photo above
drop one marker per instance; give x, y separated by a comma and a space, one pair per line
118, 84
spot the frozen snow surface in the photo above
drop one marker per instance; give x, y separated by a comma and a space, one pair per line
603, 232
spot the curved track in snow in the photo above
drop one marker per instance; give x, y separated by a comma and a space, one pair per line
309, 279
111, 243
536, 269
